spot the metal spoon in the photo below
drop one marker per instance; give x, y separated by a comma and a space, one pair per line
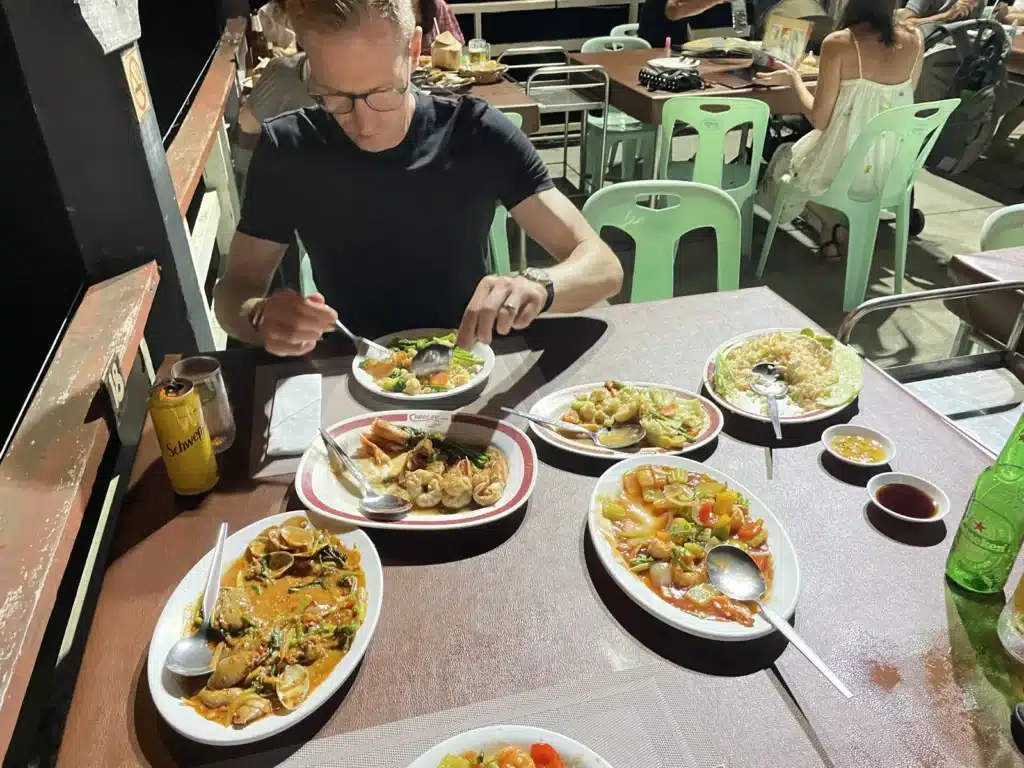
373, 503
768, 382
432, 359
191, 656
365, 347
733, 572
631, 433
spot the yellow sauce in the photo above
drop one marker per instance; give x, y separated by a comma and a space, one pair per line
617, 438
863, 450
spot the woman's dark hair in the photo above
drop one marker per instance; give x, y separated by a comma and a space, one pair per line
880, 15
428, 10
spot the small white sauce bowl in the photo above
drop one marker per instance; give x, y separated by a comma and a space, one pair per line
842, 430
876, 483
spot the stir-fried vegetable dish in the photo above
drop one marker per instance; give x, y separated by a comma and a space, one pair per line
395, 374
662, 525
671, 421
432, 471
287, 613
537, 756
820, 372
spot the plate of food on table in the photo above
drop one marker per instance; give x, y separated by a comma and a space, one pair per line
456, 470
393, 378
297, 608
510, 746
673, 420
822, 376
652, 522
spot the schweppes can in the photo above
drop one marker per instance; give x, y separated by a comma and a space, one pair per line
177, 416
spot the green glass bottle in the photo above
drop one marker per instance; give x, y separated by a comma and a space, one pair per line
990, 535
1013, 451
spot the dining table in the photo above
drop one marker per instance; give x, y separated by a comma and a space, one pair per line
723, 80
496, 623
508, 96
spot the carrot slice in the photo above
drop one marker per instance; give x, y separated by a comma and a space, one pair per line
545, 756
440, 379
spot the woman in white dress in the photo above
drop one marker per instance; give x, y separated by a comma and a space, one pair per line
870, 64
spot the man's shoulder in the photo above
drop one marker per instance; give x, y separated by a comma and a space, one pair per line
471, 116
295, 130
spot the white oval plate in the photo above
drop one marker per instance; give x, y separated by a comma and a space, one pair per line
510, 735
554, 405
365, 380
782, 595
788, 412
320, 490
168, 690
674, 63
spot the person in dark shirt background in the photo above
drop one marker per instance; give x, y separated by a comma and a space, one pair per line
660, 19
392, 192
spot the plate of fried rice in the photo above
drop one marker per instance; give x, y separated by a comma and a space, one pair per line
823, 375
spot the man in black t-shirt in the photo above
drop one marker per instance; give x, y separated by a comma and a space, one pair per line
392, 193
660, 19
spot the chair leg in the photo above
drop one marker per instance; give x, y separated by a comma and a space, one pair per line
630, 151
962, 342
649, 146
863, 229
902, 241
747, 216
772, 226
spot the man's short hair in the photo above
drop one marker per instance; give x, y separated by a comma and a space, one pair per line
346, 15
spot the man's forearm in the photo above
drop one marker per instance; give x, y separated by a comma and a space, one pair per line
592, 272
233, 305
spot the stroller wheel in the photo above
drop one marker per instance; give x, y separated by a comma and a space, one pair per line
916, 222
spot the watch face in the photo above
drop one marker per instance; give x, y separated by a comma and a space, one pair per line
537, 275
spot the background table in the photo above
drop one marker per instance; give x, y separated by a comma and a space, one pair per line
524, 603
626, 92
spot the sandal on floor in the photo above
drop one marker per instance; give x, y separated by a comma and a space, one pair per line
832, 256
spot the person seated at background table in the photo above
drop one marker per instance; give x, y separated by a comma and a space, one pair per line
393, 192
926, 14
427, 12
870, 64
660, 19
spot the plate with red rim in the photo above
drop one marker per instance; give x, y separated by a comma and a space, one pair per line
494, 737
557, 403
789, 412
320, 490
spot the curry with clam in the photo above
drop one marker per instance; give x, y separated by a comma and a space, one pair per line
287, 613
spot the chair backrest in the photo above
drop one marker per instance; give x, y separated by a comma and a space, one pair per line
656, 230
498, 236
1004, 228
613, 43
712, 119
625, 30
917, 127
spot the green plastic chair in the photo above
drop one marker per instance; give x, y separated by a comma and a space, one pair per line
919, 126
625, 30
712, 119
638, 140
1004, 228
498, 236
656, 229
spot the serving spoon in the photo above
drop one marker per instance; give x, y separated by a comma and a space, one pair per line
631, 433
372, 503
432, 359
733, 572
192, 656
770, 383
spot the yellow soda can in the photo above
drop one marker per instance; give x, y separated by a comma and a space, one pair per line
177, 415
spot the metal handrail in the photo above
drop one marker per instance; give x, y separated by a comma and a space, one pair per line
505, 6
936, 294
533, 50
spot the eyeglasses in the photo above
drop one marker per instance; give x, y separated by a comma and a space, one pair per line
384, 100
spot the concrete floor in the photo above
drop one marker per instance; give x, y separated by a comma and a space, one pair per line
955, 210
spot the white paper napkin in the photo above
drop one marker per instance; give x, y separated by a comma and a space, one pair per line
295, 414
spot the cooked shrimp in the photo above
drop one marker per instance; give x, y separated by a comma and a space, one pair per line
384, 432
513, 757
456, 489
373, 451
488, 492
423, 487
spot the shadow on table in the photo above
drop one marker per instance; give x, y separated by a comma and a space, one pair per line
706, 656
161, 746
594, 467
848, 473
914, 534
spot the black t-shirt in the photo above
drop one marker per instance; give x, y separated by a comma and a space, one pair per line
397, 239
655, 27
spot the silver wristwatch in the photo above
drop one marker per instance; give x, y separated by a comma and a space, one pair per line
541, 277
